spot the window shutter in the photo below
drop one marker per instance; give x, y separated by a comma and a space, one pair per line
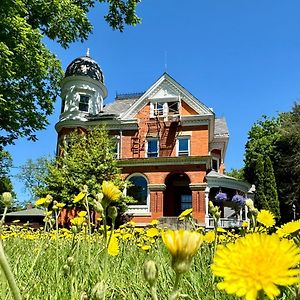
151, 110
165, 109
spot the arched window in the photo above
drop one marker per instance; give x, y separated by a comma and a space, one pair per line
138, 190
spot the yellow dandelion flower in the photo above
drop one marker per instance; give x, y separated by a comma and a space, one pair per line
185, 214
40, 201
209, 237
82, 213
152, 232
15, 221
130, 224
154, 222
127, 236
182, 245
257, 262
266, 218
110, 191
222, 230
146, 247
245, 224
113, 247
79, 197
288, 228
78, 221
60, 205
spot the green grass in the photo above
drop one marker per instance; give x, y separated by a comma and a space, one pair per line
39, 268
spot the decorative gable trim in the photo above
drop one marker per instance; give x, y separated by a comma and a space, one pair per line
167, 89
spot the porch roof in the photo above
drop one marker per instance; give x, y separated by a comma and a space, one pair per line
215, 179
27, 212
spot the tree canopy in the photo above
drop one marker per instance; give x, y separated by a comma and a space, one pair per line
31, 174
29, 72
86, 160
272, 149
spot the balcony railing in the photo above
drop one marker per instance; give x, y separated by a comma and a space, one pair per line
225, 223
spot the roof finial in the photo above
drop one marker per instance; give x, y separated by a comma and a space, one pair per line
87, 52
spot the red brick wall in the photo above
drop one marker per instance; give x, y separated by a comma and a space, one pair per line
167, 133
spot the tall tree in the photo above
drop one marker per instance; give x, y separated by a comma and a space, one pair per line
86, 160
29, 72
236, 173
288, 168
262, 139
260, 197
270, 188
32, 174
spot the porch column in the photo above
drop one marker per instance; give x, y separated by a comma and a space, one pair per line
207, 190
198, 201
156, 200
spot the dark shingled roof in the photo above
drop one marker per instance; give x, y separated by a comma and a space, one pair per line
85, 66
121, 104
221, 128
27, 212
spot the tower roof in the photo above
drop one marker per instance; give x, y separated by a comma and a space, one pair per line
85, 66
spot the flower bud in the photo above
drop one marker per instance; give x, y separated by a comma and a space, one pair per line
49, 199
66, 269
99, 289
74, 229
150, 272
112, 212
7, 199
85, 189
99, 197
70, 261
84, 296
98, 207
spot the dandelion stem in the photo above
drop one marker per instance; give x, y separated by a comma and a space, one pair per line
175, 292
153, 292
9, 275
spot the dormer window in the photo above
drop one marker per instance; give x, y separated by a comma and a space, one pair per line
164, 107
84, 103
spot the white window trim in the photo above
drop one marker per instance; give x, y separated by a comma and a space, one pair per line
116, 139
89, 103
189, 144
139, 209
146, 152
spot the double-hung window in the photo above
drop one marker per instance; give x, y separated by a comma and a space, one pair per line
183, 146
84, 102
152, 147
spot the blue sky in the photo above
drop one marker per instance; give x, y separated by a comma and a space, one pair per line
240, 57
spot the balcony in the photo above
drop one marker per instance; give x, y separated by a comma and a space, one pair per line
224, 223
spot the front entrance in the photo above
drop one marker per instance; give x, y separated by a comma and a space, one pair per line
177, 196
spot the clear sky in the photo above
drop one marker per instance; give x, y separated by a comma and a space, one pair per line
239, 57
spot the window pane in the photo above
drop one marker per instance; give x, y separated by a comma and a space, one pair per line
152, 148
215, 164
138, 190
173, 108
186, 202
159, 109
183, 147
84, 103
